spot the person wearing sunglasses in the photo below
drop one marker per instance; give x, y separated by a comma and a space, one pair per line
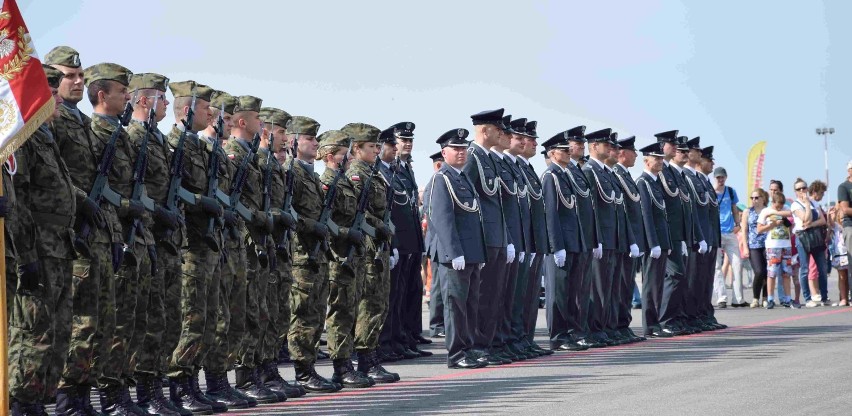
756, 244
807, 216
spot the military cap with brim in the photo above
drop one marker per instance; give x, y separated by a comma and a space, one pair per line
585, 158
248, 103
454, 138
707, 153
577, 134
667, 136
600, 136
63, 55
544, 153
388, 136
653, 149
559, 140
506, 124
404, 129
613, 139
681, 143
519, 125
488, 117
183, 89
221, 99
274, 116
437, 157
628, 143
107, 71
54, 76
148, 80
530, 129
694, 143
302, 125
334, 138
362, 132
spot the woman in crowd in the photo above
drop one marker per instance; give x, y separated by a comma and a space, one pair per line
778, 248
816, 191
756, 247
839, 256
808, 218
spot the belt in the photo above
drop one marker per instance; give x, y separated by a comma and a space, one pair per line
55, 219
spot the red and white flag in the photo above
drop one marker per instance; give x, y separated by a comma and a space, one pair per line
25, 98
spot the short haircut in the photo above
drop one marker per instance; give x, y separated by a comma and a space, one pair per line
95, 87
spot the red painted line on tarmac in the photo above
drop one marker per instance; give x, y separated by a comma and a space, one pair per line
314, 398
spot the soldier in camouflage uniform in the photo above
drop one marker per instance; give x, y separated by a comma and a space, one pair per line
280, 277
39, 292
375, 269
230, 271
92, 291
309, 293
148, 91
343, 294
201, 252
258, 226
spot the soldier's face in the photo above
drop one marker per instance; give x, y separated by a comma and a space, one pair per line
404, 146
627, 157
529, 147
252, 124
455, 156
437, 165
491, 134
561, 156
202, 116
389, 151
578, 149
681, 156
600, 150
613, 155
337, 158
706, 166
115, 98
367, 152
71, 86
694, 156
669, 149
307, 148
654, 164
58, 98
280, 137
227, 125
517, 145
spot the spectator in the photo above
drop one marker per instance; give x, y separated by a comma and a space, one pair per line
729, 224
839, 255
778, 186
816, 191
844, 207
756, 246
807, 217
778, 248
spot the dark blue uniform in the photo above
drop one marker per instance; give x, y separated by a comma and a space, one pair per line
579, 275
525, 308
655, 233
697, 262
627, 267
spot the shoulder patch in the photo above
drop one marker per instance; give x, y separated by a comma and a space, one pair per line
324, 187
231, 156
355, 178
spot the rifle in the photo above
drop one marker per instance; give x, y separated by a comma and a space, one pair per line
328, 207
213, 180
386, 219
360, 223
262, 256
283, 244
138, 193
176, 191
234, 205
100, 187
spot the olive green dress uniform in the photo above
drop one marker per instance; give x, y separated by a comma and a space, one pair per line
40, 319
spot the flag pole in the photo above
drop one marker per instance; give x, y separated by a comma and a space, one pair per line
4, 320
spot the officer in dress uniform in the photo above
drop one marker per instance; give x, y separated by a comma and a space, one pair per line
481, 170
612, 223
436, 300
566, 243
714, 239
655, 232
701, 196
625, 158
456, 242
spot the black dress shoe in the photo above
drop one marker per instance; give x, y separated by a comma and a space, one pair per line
466, 363
421, 340
572, 346
423, 353
489, 359
543, 351
590, 343
440, 334
662, 333
409, 354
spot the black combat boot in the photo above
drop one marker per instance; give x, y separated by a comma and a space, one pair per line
113, 404
248, 384
271, 378
219, 390
369, 365
312, 382
180, 393
217, 406
345, 375
68, 401
27, 409
84, 395
147, 399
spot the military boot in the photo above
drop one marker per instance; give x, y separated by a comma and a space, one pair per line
217, 406
345, 375
369, 365
271, 378
68, 402
219, 390
147, 401
114, 404
180, 393
312, 382
84, 395
27, 409
248, 384
157, 391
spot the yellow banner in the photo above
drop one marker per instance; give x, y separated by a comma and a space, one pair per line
756, 158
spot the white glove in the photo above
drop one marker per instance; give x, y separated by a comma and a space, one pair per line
683, 249
702, 247
670, 252
481, 266
598, 252
634, 251
532, 257
655, 252
394, 258
521, 257
458, 263
510, 253
559, 258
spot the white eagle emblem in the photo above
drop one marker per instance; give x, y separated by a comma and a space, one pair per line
7, 46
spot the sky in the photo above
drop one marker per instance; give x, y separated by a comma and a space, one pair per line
731, 72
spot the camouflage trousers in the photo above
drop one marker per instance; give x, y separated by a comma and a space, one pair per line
372, 300
211, 320
93, 311
197, 293
342, 307
39, 328
132, 282
230, 313
278, 302
257, 313
308, 301
148, 349
171, 266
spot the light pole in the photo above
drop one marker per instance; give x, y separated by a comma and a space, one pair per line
825, 132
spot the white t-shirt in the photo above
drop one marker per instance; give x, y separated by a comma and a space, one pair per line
776, 237
797, 206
